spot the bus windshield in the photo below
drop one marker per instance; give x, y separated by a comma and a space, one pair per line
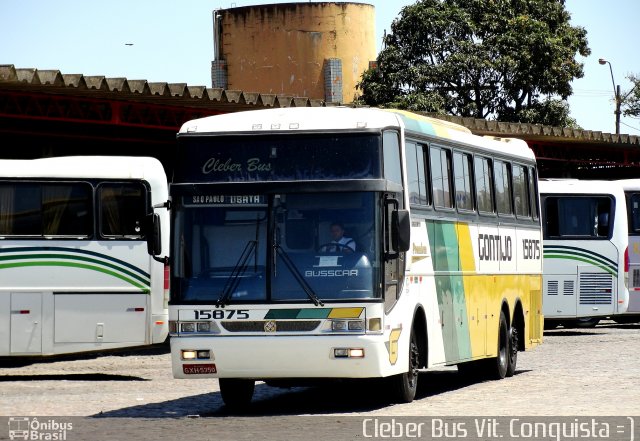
283, 247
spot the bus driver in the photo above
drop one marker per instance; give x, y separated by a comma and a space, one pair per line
339, 243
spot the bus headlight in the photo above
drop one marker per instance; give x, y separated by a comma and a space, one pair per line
347, 325
199, 327
187, 327
204, 326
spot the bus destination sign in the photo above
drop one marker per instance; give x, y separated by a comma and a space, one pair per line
203, 199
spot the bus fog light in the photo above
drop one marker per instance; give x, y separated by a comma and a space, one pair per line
204, 326
341, 352
339, 325
187, 327
348, 352
189, 355
204, 355
356, 325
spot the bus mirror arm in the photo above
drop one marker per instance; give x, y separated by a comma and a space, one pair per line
163, 259
165, 204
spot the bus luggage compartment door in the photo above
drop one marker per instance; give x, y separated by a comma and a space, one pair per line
100, 318
26, 323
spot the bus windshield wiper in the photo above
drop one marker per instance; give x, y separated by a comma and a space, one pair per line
296, 274
234, 278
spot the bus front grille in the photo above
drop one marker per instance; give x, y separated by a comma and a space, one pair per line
270, 326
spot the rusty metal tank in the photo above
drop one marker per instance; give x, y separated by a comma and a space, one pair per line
317, 50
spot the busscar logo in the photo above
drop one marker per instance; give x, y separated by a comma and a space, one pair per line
34, 429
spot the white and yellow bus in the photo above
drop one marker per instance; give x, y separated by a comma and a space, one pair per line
585, 251
75, 269
445, 268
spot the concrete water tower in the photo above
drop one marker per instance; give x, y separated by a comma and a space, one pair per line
316, 50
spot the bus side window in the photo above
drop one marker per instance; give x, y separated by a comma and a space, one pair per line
551, 221
416, 173
440, 161
122, 209
520, 191
503, 188
603, 217
533, 192
462, 179
483, 181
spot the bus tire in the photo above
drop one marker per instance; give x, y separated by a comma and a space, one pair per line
551, 324
586, 322
497, 367
404, 386
236, 392
512, 358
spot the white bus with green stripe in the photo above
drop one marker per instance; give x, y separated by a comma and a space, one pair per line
74, 263
632, 193
447, 266
585, 251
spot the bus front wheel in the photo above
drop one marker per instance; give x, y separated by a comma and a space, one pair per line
236, 392
404, 386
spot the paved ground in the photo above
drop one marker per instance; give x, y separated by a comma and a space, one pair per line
591, 372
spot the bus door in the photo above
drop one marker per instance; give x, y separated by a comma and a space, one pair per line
26, 322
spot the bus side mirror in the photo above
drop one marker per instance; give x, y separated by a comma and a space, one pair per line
154, 237
401, 222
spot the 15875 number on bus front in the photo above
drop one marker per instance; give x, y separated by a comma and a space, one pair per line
220, 314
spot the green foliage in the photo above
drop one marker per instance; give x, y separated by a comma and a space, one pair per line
479, 58
631, 103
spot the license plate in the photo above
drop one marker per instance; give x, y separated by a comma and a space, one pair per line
195, 369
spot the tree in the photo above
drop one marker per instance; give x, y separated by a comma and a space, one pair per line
632, 101
502, 59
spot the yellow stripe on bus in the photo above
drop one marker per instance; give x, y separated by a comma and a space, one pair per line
346, 312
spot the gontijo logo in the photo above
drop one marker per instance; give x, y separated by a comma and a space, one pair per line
33, 429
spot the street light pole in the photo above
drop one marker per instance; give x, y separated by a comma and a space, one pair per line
616, 92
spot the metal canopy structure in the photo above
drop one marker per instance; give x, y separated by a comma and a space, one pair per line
47, 113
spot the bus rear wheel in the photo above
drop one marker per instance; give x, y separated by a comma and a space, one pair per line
404, 386
236, 392
497, 367
513, 351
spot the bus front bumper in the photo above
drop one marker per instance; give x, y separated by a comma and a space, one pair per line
314, 356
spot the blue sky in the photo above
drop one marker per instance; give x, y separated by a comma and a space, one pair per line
172, 42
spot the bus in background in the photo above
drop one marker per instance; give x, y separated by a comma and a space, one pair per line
585, 251
323, 243
632, 193
74, 261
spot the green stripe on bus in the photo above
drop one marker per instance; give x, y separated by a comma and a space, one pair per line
144, 288
78, 258
568, 256
443, 240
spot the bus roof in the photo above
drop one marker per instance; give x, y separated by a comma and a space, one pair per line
576, 186
630, 184
296, 119
100, 167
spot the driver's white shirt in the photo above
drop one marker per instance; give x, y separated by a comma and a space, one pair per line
347, 242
